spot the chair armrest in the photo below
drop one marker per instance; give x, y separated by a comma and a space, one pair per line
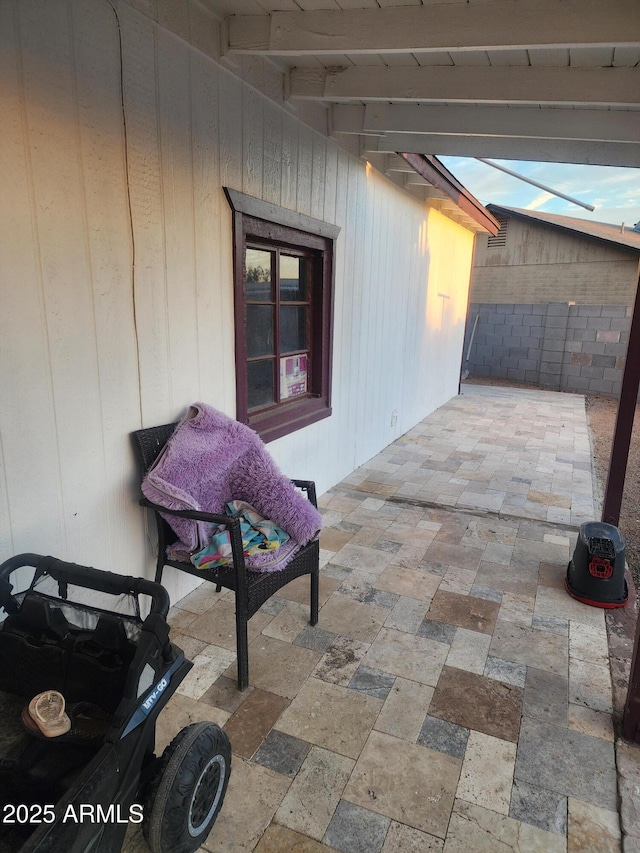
229, 521
309, 487
193, 514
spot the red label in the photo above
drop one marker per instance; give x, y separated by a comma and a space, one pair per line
600, 568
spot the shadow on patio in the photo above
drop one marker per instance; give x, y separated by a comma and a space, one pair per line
453, 697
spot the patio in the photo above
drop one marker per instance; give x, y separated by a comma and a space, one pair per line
453, 696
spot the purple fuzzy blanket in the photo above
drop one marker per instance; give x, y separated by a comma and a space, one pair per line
211, 459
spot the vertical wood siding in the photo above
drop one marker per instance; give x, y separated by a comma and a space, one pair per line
91, 350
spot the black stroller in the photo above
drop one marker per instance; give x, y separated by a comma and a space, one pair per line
75, 635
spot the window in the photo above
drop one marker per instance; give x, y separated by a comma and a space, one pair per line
283, 280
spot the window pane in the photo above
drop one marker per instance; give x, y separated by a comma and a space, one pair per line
258, 283
293, 328
293, 279
260, 383
259, 330
293, 376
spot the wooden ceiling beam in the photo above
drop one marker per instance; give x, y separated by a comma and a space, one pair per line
479, 85
547, 151
397, 164
522, 122
482, 25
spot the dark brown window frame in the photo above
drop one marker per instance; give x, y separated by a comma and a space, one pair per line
259, 222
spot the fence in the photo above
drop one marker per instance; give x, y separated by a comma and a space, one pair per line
557, 345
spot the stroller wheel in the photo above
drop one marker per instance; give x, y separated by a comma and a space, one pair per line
187, 789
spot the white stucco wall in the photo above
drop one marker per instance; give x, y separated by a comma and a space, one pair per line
90, 350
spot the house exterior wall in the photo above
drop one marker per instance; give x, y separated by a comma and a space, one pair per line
540, 264
91, 350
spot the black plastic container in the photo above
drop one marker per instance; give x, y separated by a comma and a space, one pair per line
595, 574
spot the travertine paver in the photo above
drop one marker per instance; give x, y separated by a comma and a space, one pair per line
354, 829
405, 709
444, 736
475, 614
469, 650
282, 667
539, 807
487, 772
408, 656
331, 716
475, 828
567, 762
397, 779
531, 647
238, 827
593, 828
590, 685
546, 696
408, 582
282, 753
280, 839
353, 619
341, 660
405, 839
253, 720
452, 697
478, 703
310, 802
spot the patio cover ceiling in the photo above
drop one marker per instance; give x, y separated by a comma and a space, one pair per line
515, 79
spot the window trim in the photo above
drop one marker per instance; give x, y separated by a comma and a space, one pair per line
267, 222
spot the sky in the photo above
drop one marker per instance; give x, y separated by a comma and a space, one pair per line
613, 190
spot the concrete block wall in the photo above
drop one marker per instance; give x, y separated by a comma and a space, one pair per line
557, 345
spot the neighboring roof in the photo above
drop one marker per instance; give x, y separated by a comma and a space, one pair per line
437, 174
604, 232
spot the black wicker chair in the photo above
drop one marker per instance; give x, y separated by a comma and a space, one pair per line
251, 589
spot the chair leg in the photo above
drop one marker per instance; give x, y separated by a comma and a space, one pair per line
242, 649
314, 596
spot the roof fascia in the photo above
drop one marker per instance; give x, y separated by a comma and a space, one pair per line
436, 173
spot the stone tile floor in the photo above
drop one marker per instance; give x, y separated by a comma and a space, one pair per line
453, 697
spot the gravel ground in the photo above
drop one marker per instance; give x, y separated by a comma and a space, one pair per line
601, 413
